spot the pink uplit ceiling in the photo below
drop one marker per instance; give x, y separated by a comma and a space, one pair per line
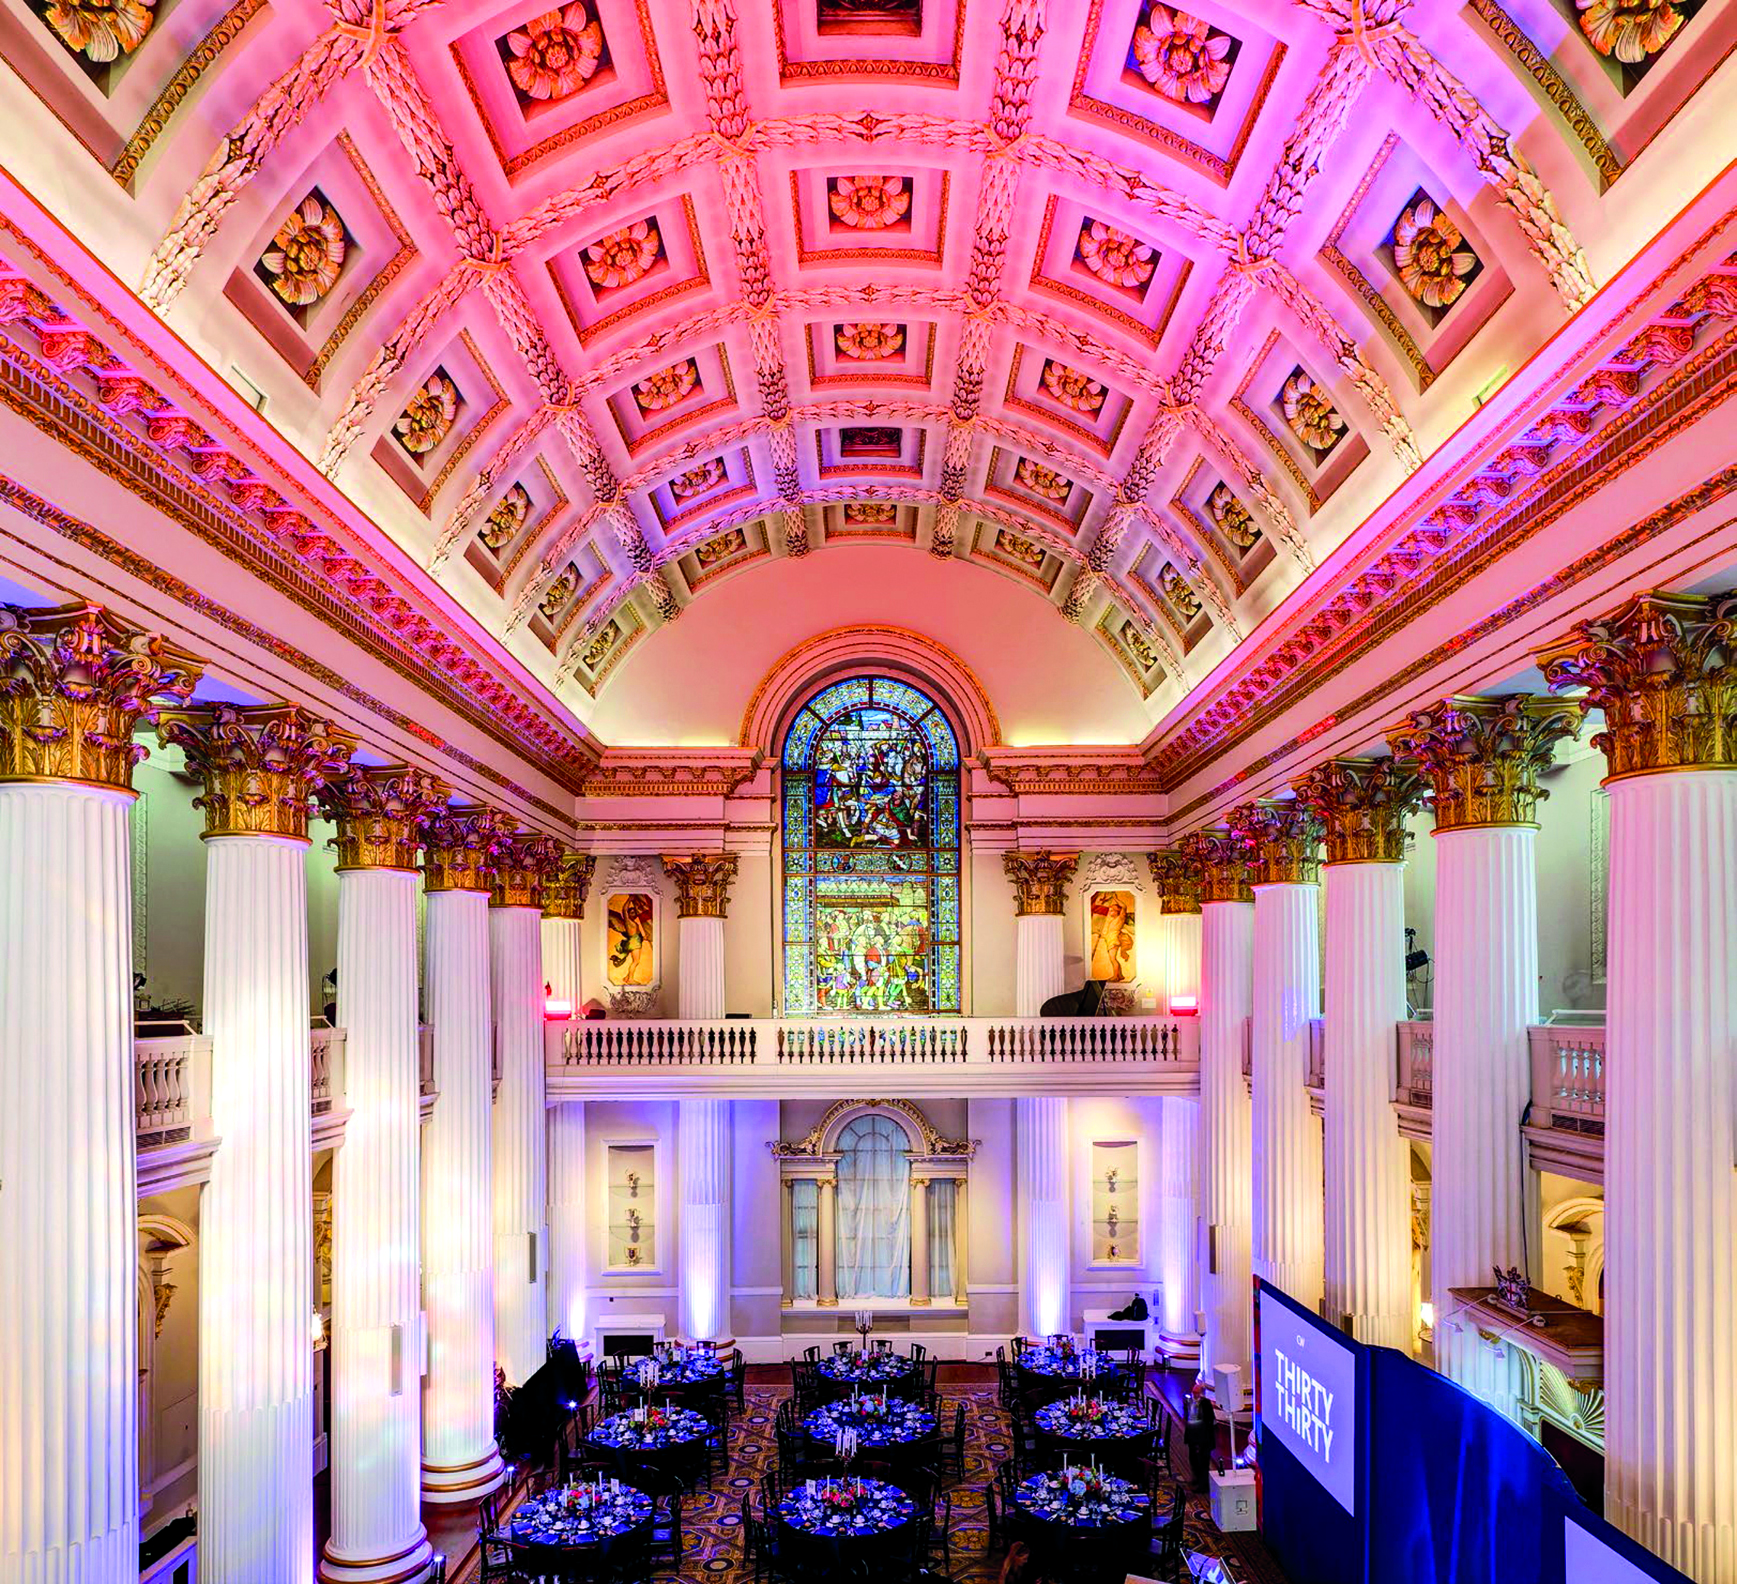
668, 333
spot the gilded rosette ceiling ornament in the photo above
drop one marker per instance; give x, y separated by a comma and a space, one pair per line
1662, 669
1482, 756
460, 846
1177, 877
523, 863
702, 883
380, 814
1363, 803
1224, 858
1285, 838
568, 884
261, 767
1040, 880
74, 685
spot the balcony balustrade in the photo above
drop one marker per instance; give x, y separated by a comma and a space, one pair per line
1565, 1129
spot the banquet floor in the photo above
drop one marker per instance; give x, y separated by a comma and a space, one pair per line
711, 1517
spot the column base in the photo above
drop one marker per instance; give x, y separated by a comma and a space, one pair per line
404, 1567
467, 1482
921, 1303
1183, 1349
825, 1303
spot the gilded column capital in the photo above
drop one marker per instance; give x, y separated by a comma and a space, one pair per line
523, 865
568, 885
75, 682
1178, 880
1224, 858
1482, 756
702, 883
459, 846
381, 813
261, 766
1662, 669
1284, 836
1040, 880
1363, 803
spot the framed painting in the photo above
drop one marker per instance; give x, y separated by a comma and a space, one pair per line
1111, 935
632, 940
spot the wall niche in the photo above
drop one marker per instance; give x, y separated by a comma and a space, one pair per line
632, 1202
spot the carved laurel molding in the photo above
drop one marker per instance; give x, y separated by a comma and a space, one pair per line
651, 772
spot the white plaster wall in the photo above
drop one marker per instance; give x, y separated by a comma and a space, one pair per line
992, 1270
756, 1211
171, 1481
988, 969
749, 958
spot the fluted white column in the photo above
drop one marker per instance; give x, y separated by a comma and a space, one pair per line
568, 1312
1287, 1228
520, 1142
1041, 1152
460, 1461
700, 951
256, 1413
1368, 1175
1037, 962
1179, 959
376, 1342
69, 1494
1226, 1147
1179, 1224
703, 1131
561, 966
1670, 1293
1486, 997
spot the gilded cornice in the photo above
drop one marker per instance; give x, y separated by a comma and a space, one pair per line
1224, 859
671, 772
1087, 771
1284, 837
460, 847
568, 884
260, 766
1661, 667
1040, 880
1363, 803
702, 883
1482, 756
381, 813
523, 864
75, 683
1178, 880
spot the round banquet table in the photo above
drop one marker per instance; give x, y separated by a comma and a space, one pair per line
666, 1438
835, 1524
1115, 1433
1090, 1525
572, 1531
883, 1423
845, 1371
1047, 1372
686, 1373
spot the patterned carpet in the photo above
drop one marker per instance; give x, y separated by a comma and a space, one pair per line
711, 1518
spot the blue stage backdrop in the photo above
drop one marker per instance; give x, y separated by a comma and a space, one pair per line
1376, 1470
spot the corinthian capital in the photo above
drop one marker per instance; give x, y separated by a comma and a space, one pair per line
1482, 756
1285, 838
261, 767
702, 883
567, 886
523, 863
1178, 880
460, 846
1662, 669
1363, 803
1040, 880
75, 683
381, 814
1224, 858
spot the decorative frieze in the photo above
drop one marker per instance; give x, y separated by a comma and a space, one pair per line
568, 884
1040, 880
1177, 877
261, 766
1363, 804
1224, 858
702, 883
381, 814
1285, 840
1482, 756
74, 684
460, 846
1661, 668
523, 864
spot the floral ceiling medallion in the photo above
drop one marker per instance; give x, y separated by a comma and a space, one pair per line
1018, 548
555, 54
559, 592
1114, 257
101, 30
1072, 389
719, 549
623, 257
605, 640
1310, 413
869, 343
1181, 56
1433, 264
1138, 647
503, 523
307, 253
1631, 31
869, 203
1232, 518
662, 390
428, 419
1043, 482
870, 514
1177, 591
698, 479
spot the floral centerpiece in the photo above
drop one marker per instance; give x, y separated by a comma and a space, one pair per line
1083, 1484
840, 1495
1084, 1410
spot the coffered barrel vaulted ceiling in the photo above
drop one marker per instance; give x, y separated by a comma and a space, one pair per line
606, 310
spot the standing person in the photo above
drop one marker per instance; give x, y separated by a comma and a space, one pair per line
1199, 1434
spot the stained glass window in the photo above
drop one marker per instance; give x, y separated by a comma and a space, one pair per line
871, 853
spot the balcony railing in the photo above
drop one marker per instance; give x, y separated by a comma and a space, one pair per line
327, 1046
171, 1088
1568, 1079
1161, 1053
1415, 1078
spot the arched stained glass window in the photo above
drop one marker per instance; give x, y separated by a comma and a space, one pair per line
871, 853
